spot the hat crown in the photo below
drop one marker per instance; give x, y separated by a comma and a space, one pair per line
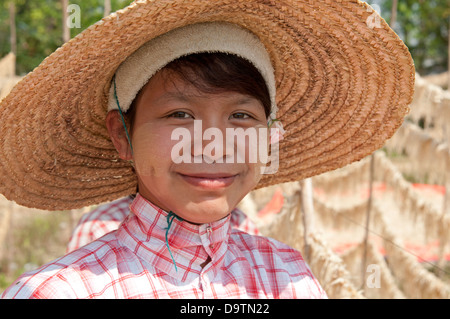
207, 37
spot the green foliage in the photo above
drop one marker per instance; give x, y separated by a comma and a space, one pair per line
39, 27
41, 237
92, 11
4, 28
423, 25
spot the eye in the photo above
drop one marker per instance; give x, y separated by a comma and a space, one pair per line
240, 115
180, 115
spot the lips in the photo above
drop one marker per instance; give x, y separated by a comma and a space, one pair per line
209, 180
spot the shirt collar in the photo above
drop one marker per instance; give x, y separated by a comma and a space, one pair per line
144, 231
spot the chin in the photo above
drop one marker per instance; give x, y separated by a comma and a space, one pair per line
207, 211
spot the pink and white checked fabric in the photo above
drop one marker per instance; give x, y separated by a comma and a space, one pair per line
108, 217
102, 220
134, 262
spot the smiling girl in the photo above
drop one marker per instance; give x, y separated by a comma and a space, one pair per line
116, 94
220, 90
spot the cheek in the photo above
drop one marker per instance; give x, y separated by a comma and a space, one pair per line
256, 151
254, 174
151, 150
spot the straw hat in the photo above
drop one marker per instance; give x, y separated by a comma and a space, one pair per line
344, 81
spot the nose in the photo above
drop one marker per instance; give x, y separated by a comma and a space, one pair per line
209, 142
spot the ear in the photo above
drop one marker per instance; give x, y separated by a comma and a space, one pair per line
118, 135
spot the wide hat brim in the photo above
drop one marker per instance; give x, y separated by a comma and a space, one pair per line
344, 82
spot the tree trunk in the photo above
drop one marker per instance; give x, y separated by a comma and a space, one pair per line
107, 9
448, 53
393, 13
65, 27
12, 27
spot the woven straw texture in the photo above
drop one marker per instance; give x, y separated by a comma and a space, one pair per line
343, 88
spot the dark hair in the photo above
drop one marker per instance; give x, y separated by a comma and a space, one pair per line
217, 73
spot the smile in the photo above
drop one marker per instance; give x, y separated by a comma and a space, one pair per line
209, 181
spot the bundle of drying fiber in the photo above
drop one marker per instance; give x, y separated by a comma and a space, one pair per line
6, 85
431, 104
8, 78
256, 200
422, 105
411, 204
425, 100
351, 219
287, 227
8, 65
330, 270
352, 259
415, 280
388, 287
441, 127
263, 195
348, 178
344, 219
427, 157
382, 285
439, 79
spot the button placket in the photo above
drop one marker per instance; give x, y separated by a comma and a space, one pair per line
209, 231
206, 238
205, 232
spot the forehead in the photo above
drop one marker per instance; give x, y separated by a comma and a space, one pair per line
167, 86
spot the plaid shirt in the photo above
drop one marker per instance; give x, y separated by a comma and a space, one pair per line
134, 262
108, 217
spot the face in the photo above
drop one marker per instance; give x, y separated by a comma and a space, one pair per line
180, 165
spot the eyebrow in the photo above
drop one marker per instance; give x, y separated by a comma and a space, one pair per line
183, 97
178, 96
246, 100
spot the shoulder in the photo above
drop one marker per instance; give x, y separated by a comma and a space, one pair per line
279, 262
265, 246
240, 221
269, 252
101, 220
68, 276
116, 210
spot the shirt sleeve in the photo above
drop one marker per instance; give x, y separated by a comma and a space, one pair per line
100, 221
281, 268
35, 286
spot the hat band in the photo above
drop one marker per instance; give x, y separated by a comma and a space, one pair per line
139, 67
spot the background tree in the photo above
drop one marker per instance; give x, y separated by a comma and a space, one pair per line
39, 27
12, 27
423, 25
